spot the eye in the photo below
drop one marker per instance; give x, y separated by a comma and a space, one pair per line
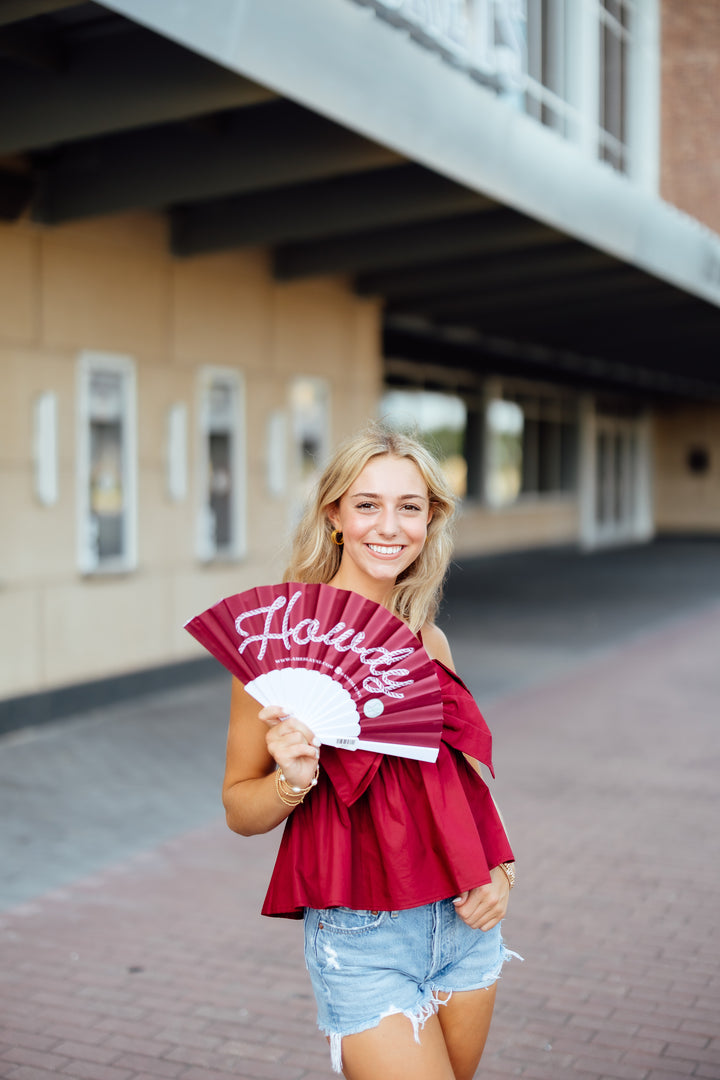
412, 506
365, 506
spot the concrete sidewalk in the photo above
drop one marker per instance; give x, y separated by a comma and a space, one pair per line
153, 961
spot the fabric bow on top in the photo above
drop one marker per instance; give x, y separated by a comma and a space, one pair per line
464, 729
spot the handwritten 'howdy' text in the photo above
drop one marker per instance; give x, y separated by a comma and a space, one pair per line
383, 677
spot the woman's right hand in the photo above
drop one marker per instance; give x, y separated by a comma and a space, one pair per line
292, 745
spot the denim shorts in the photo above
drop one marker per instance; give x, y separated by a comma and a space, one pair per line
366, 965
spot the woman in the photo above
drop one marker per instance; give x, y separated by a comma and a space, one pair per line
401, 869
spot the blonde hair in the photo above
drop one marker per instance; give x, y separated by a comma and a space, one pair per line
315, 558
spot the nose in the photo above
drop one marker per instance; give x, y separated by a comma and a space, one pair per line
387, 526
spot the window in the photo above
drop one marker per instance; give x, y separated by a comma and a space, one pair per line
221, 519
591, 71
439, 420
309, 408
505, 457
496, 445
587, 69
548, 93
549, 443
309, 437
107, 463
613, 69
620, 479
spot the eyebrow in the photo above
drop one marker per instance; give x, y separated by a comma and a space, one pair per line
375, 495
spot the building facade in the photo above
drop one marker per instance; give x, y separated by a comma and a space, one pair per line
491, 219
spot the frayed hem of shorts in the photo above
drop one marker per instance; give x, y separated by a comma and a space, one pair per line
418, 1017
505, 957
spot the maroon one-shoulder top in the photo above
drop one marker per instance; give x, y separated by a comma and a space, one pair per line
387, 833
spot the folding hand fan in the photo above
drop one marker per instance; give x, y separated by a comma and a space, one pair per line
354, 673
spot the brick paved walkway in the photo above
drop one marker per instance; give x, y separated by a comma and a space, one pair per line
158, 965
613, 797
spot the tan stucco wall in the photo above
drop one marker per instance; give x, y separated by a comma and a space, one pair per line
110, 285
529, 523
686, 502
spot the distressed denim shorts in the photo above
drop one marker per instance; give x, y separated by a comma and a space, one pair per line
366, 965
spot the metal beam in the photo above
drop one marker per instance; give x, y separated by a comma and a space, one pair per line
347, 203
569, 319
493, 231
266, 146
609, 312
415, 284
603, 329
685, 332
478, 357
115, 84
663, 359
15, 194
536, 326
551, 298
650, 314
13, 11
487, 353
670, 328
27, 47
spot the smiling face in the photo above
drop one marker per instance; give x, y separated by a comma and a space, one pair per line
383, 517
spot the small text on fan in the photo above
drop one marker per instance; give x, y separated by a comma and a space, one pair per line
383, 677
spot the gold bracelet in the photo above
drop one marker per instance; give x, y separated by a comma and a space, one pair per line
508, 870
293, 796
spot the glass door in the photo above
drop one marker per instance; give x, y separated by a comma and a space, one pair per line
619, 479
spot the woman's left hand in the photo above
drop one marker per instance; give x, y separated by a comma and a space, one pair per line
484, 907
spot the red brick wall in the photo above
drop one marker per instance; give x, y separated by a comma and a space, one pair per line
690, 108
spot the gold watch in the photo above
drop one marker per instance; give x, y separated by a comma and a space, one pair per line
508, 869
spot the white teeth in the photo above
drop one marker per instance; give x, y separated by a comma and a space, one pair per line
385, 550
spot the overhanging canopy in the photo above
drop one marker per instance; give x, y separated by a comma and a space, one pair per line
317, 131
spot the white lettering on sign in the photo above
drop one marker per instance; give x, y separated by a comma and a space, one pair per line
486, 38
383, 677
711, 269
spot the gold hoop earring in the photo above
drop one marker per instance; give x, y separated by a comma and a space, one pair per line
337, 537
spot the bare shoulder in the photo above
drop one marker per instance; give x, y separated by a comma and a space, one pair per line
436, 644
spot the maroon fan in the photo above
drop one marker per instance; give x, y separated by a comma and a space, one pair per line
354, 673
